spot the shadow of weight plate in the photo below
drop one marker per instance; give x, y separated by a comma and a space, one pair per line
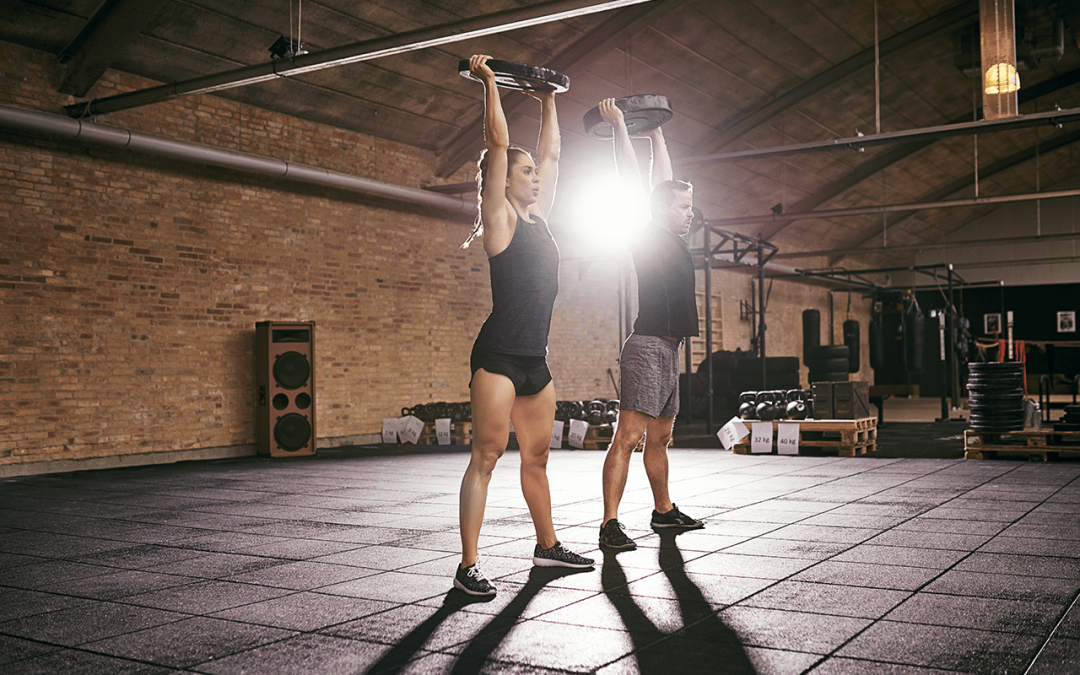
520, 76
642, 113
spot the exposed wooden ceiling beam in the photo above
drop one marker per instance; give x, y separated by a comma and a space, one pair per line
627, 22
102, 40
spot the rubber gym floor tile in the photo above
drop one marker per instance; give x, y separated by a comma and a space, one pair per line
821, 533
117, 585
848, 520
384, 557
1070, 625
420, 628
1000, 514
1060, 656
758, 567
300, 655
786, 548
635, 614
675, 655
46, 573
189, 642
493, 566
944, 525
716, 590
16, 603
227, 542
141, 556
947, 541
450, 542
85, 623
550, 645
203, 597
1033, 546
52, 545
303, 611
394, 586
854, 601
838, 666
215, 565
963, 649
899, 555
299, 549
756, 514
1038, 566
780, 629
83, 663
960, 611
18, 649
301, 575
1005, 586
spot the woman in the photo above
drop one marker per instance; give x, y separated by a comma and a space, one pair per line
510, 378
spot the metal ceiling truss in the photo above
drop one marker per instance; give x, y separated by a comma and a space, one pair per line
456, 31
868, 169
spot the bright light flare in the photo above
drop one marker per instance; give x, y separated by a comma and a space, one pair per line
604, 214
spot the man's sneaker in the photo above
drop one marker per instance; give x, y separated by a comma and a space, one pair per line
613, 536
675, 518
558, 556
472, 581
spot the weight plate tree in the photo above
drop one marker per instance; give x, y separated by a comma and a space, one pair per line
641, 112
520, 76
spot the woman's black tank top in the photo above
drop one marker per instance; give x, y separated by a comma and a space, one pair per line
524, 283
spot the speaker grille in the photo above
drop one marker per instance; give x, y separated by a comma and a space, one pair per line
292, 431
291, 370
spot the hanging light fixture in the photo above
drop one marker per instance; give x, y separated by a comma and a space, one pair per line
997, 32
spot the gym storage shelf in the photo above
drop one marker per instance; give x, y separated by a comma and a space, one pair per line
847, 438
1036, 445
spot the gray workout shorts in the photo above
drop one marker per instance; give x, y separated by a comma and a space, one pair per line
649, 376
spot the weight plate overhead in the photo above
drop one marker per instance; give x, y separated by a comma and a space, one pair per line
641, 112
520, 76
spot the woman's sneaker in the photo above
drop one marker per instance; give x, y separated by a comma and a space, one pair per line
613, 536
675, 518
472, 581
558, 556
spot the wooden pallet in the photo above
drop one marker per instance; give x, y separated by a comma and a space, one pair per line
1037, 445
460, 434
847, 438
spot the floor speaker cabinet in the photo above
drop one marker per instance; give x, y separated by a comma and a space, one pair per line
285, 388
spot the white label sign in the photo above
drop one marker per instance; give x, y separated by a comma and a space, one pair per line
556, 434
787, 439
578, 429
732, 432
410, 429
761, 437
389, 430
442, 431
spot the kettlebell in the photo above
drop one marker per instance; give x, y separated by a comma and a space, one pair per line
748, 410
748, 397
796, 410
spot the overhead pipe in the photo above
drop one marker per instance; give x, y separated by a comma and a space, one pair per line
423, 38
101, 135
1054, 118
893, 208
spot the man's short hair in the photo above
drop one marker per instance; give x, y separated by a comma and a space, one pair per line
664, 193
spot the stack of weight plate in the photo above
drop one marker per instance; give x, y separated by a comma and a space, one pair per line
1070, 421
996, 396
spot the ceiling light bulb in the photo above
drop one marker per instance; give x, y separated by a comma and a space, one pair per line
1002, 79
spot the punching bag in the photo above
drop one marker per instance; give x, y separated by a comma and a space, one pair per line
811, 334
914, 340
877, 342
851, 339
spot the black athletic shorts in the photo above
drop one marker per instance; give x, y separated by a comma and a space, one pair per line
529, 374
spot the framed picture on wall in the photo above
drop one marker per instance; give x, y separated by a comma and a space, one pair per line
1066, 322
991, 323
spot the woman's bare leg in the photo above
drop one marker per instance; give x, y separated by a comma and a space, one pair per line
533, 417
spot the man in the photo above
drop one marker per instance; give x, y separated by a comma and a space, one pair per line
667, 313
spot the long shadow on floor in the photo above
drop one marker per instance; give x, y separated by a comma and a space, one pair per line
487, 639
704, 644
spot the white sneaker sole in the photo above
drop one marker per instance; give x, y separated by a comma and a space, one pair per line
461, 587
547, 562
